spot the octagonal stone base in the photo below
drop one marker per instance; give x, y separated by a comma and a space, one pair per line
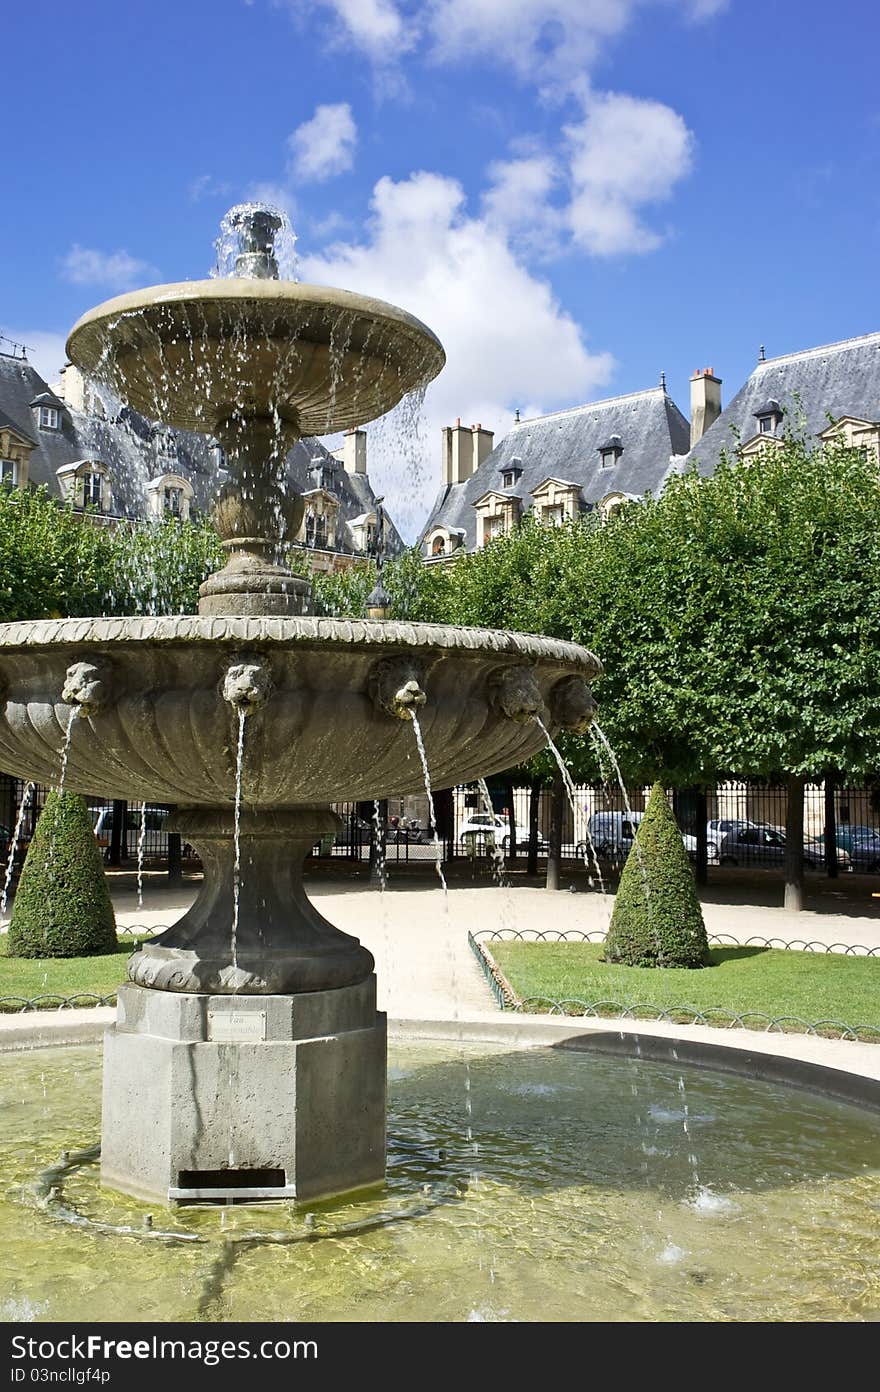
223, 1097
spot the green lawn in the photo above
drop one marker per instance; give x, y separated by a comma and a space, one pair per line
811, 986
62, 976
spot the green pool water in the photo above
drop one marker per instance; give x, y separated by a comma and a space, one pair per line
537, 1185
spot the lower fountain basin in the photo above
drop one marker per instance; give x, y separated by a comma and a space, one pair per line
577, 1196
155, 723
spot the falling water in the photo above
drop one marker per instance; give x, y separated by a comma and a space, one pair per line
65, 748
13, 846
496, 851
381, 875
142, 842
589, 848
236, 870
417, 730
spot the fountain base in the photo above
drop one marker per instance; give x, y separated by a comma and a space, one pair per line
223, 1098
283, 946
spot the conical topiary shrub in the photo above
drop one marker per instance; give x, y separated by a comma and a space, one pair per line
62, 907
657, 919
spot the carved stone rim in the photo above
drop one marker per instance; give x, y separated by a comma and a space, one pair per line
301, 631
84, 344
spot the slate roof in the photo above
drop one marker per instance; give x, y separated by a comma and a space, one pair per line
129, 446
565, 445
839, 379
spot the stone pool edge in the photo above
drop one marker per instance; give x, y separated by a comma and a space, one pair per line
841, 1069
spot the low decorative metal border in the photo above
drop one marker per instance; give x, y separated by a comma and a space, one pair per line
715, 939
716, 1016
86, 1000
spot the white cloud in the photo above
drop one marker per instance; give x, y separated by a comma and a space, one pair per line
507, 339
545, 41
626, 153
517, 202
376, 27
206, 186
116, 270
45, 350
324, 145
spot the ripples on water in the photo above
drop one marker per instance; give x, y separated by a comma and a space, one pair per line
580, 1205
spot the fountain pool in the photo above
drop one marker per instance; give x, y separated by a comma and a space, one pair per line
576, 1200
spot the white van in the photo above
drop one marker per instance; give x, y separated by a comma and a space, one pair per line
613, 833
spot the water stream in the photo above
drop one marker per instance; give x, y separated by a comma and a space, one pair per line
589, 850
236, 865
12, 849
438, 850
142, 842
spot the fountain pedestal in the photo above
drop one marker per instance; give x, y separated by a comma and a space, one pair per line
224, 1097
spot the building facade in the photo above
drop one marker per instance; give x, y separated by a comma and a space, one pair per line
122, 467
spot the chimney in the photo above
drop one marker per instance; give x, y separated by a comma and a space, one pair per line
354, 452
705, 402
482, 444
457, 452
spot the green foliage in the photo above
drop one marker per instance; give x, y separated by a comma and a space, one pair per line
737, 616
156, 568
657, 919
51, 564
55, 562
417, 592
62, 907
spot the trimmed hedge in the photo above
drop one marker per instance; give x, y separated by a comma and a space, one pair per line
62, 906
657, 919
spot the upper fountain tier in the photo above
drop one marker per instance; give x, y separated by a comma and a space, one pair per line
203, 353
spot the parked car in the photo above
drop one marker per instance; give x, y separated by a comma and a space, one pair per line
861, 844
719, 827
814, 854
761, 845
483, 829
613, 833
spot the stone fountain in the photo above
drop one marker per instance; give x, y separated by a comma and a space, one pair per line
248, 1057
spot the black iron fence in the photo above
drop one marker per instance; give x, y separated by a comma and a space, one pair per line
745, 825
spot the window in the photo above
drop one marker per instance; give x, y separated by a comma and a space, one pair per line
316, 530
766, 424
92, 490
438, 547
166, 444
174, 501
508, 478
49, 418
554, 516
493, 526
8, 471
219, 454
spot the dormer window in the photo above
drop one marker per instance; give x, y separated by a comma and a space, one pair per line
316, 530
438, 546
610, 453
166, 445
173, 501
323, 472
769, 417
8, 471
511, 472
49, 417
92, 490
219, 456
169, 495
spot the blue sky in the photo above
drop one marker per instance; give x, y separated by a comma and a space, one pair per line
575, 194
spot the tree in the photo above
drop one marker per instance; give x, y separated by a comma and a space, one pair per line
737, 618
657, 919
62, 907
